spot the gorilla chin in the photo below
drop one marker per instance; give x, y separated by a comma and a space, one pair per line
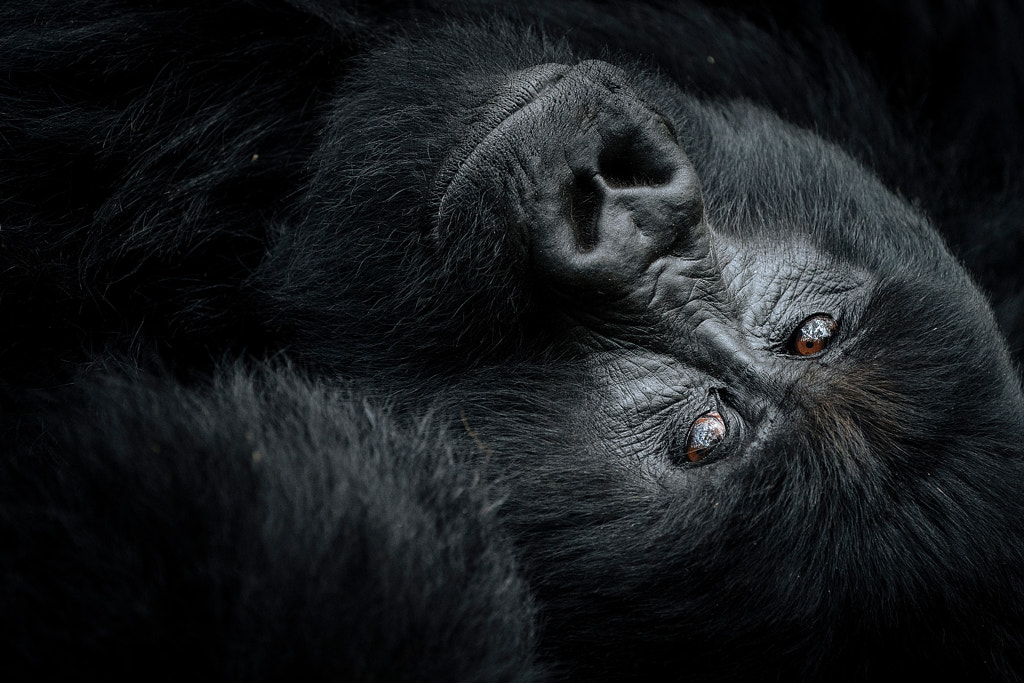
424, 343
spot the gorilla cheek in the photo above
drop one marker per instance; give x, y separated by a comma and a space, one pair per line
591, 182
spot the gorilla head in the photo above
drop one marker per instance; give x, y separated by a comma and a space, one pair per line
762, 417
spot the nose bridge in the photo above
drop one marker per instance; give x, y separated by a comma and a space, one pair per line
719, 347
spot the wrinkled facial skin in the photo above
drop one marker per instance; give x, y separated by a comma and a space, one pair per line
677, 309
673, 250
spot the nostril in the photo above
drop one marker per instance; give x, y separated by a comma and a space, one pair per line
625, 161
584, 204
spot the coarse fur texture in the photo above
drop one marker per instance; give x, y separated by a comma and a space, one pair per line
368, 340
261, 528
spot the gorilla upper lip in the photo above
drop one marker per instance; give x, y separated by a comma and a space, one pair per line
522, 88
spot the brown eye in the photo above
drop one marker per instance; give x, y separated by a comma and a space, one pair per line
707, 431
814, 335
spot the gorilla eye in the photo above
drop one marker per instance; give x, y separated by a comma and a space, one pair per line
706, 432
813, 335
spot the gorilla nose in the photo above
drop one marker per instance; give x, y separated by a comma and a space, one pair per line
589, 177
618, 192
635, 179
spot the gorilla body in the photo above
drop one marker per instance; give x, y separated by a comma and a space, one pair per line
444, 341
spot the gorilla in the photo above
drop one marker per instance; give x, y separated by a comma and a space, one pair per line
437, 340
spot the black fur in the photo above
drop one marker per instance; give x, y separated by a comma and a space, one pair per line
272, 409
260, 528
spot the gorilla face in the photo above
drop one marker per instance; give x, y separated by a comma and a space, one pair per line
722, 278
760, 402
